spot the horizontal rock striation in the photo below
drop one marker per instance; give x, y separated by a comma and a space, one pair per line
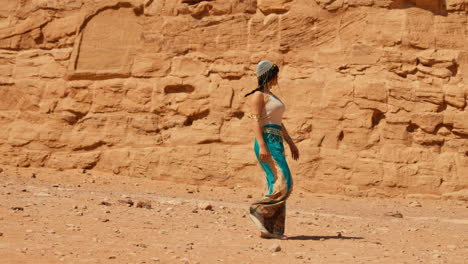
376, 90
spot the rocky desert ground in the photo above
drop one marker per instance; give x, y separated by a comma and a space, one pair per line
77, 216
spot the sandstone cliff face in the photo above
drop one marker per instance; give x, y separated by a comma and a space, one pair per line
376, 90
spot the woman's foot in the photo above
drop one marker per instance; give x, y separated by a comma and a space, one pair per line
271, 235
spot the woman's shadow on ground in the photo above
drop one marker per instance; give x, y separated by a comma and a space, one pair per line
321, 237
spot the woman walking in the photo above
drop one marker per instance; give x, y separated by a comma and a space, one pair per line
269, 212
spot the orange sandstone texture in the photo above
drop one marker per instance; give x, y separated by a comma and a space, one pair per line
376, 90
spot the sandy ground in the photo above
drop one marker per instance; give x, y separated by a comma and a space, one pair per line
49, 216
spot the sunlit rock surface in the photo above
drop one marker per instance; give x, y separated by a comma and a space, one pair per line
376, 90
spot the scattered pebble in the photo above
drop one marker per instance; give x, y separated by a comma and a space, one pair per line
141, 245
17, 208
105, 203
394, 214
415, 204
249, 196
144, 204
128, 202
275, 247
205, 206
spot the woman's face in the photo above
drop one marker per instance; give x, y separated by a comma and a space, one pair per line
274, 80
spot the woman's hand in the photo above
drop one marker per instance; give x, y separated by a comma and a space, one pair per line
294, 151
264, 154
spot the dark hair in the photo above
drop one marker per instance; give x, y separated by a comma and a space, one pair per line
265, 78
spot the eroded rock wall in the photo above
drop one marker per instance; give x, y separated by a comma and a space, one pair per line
376, 90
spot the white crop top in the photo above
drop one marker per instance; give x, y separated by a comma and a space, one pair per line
273, 111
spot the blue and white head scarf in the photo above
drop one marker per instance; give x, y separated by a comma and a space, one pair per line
263, 67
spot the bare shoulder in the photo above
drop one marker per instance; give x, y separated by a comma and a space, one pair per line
257, 98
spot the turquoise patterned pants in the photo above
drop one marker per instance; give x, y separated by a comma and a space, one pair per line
269, 212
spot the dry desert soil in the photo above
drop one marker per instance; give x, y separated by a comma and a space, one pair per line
76, 216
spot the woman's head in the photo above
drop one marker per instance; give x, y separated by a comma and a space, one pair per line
267, 73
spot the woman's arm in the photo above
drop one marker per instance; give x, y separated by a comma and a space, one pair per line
286, 135
292, 146
257, 103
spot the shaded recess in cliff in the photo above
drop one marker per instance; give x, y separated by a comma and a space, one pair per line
438, 7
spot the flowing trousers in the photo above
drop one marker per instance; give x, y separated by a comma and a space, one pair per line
269, 212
